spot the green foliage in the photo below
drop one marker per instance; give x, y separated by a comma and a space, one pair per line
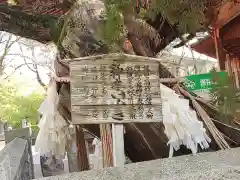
58, 31
15, 107
225, 96
112, 30
186, 15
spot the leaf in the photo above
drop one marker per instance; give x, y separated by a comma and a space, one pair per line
14, 107
225, 96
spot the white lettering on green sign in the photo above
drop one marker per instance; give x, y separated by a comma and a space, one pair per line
205, 83
202, 82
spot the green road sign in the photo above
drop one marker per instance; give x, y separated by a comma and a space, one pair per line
203, 82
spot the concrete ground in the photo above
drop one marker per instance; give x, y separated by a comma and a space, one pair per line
220, 165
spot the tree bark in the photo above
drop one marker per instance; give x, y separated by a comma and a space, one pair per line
142, 141
40, 27
82, 155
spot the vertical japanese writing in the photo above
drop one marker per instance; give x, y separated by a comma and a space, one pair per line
105, 114
104, 91
86, 92
103, 69
130, 72
132, 112
139, 90
140, 111
149, 113
138, 82
146, 70
147, 86
94, 69
115, 72
121, 89
84, 69
94, 92
95, 113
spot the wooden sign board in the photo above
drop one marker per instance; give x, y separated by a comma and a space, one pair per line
115, 89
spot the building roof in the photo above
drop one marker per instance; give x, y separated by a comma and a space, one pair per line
205, 46
228, 22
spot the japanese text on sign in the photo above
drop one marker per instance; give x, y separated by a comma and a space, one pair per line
115, 91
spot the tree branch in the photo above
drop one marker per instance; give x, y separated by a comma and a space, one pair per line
39, 78
5, 52
15, 69
38, 27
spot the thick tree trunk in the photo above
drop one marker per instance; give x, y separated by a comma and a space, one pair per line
142, 141
40, 28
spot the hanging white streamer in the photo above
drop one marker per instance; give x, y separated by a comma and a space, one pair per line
182, 126
54, 131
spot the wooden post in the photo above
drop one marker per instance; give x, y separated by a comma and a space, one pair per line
118, 145
106, 138
171, 80
113, 101
112, 145
221, 56
82, 156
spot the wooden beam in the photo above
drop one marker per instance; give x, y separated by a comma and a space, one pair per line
221, 56
171, 80
226, 13
231, 30
231, 132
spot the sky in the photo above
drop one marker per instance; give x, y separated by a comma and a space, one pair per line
28, 51
44, 55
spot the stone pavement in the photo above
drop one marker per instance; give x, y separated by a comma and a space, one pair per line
224, 165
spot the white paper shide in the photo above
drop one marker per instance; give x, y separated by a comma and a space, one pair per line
54, 131
182, 126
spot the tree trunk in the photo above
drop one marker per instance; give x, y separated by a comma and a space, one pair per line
142, 141
42, 28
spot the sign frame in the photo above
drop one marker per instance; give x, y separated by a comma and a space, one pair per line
77, 81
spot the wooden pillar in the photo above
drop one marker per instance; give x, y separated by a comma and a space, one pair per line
237, 72
229, 68
221, 56
118, 145
233, 69
107, 145
227, 65
82, 155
